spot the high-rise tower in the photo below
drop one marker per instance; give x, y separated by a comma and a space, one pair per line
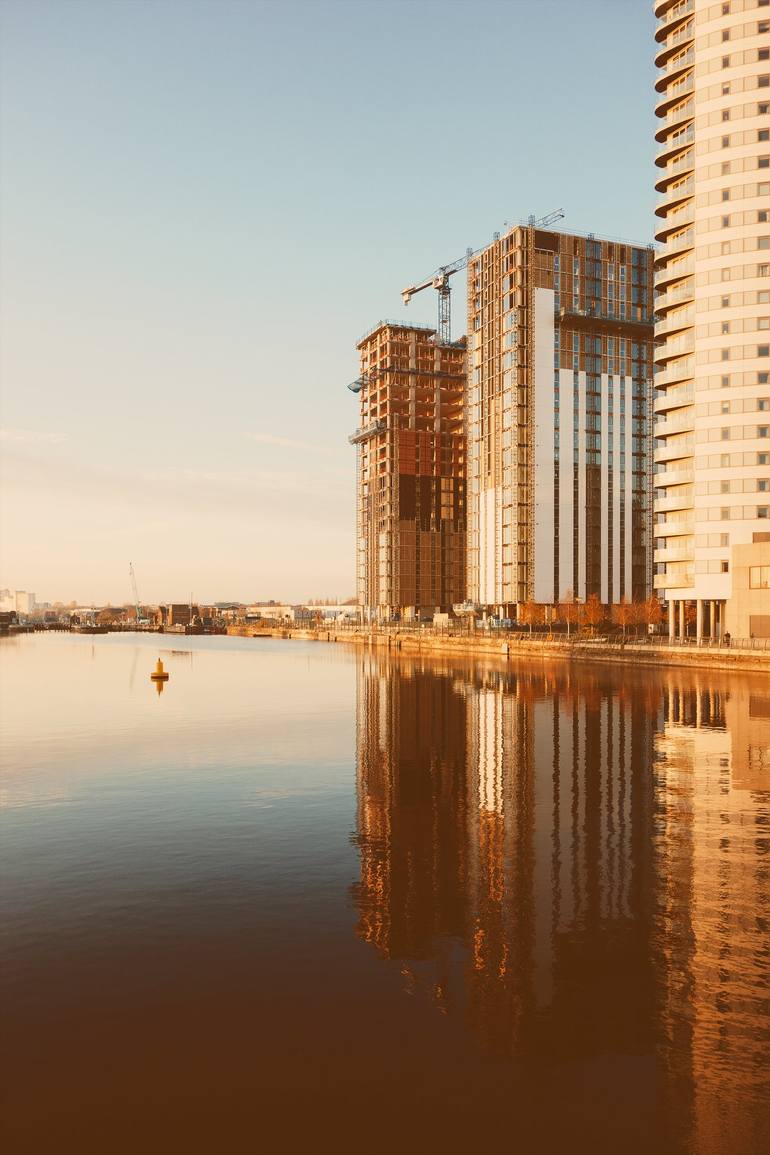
712, 282
557, 419
410, 533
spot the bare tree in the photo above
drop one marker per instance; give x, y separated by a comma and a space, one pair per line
532, 613
594, 612
569, 610
623, 614
650, 611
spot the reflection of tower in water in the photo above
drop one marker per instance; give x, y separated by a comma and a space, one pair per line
507, 816
411, 809
558, 863
712, 785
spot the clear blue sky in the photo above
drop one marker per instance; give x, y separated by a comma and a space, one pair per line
204, 204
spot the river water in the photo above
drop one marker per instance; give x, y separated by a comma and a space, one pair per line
308, 899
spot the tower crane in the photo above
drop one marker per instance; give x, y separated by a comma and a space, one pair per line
440, 279
132, 575
544, 222
440, 282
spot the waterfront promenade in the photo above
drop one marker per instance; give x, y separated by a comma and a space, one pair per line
751, 654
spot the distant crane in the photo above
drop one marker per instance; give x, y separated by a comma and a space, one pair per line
132, 575
440, 280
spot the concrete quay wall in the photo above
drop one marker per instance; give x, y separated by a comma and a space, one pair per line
722, 658
426, 642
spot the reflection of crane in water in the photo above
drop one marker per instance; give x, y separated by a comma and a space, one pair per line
132, 675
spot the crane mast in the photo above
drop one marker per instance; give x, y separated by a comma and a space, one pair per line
440, 282
132, 575
440, 279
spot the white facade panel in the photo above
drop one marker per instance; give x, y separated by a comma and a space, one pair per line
544, 526
605, 491
581, 431
489, 540
617, 494
566, 484
627, 442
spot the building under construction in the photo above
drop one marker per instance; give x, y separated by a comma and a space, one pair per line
411, 522
559, 403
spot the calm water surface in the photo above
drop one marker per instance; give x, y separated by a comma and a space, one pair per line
311, 900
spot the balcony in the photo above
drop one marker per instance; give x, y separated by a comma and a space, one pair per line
675, 119
674, 296
674, 399
683, 319
680, 451
674, 143
676, 346
680, 243
680, 553
675, 501
669, 13
673, 42
674, 271
675, 372
673, 581
679, 218
675, 67
670, 528
673, 95
673, 477
674, 195
683, 424
685, 163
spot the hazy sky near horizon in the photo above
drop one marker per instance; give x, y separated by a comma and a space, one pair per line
205, 204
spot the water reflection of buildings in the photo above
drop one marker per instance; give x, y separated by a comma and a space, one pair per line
511, 813
578, 863
712, 780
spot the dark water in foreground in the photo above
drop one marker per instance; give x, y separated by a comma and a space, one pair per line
309, 900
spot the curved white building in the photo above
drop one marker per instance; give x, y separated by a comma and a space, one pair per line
712, 281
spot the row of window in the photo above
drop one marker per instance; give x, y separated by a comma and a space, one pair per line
736, 60
739, 325
725, 301
729, 7
734, 221
732, 353
737, 164
734, 380
732, 513
736, 140
712, 565
734, 485
711, 540
735, 112
739, 405
733, 193
739, 245
732, 433
731, 460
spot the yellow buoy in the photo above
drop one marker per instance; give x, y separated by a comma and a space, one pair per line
159, 676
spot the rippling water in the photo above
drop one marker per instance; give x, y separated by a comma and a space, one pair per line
311, 900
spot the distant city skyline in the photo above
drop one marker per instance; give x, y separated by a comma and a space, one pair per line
204, 207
